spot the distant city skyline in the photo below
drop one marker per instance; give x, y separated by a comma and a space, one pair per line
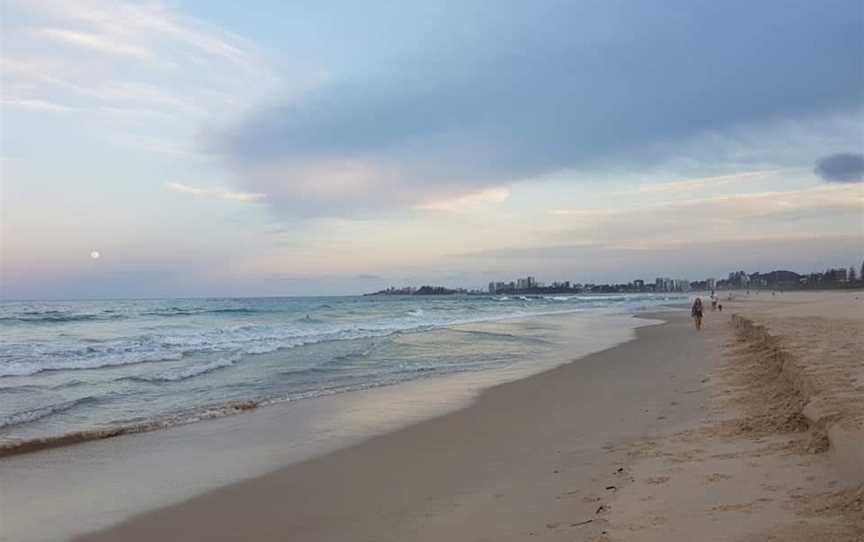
830, 277
188, 148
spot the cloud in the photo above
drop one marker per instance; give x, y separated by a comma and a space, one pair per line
37, 105
829, 199
708, 219
688, 185
142, 30
841, 168
96, 42
159, 72
693, 259
468, 202
214, 193
490, 102
368, 276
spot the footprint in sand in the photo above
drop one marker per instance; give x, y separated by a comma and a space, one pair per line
732, 507
743, 507
716, 477
658, 520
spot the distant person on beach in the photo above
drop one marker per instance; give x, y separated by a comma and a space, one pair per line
696, 312
720, 307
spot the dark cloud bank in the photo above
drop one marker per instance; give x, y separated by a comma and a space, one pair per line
841, 168
521, 89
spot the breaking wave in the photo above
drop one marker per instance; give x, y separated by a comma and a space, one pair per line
185, 373
57, 317
29, 416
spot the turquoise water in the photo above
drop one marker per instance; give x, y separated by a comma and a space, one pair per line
79, 369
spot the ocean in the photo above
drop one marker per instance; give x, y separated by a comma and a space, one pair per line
80, 370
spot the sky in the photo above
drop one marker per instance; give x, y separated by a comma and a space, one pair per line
198, 148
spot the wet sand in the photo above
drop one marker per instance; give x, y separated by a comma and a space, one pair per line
539, 457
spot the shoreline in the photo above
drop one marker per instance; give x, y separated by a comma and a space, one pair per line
15, 447
467, 453
677, 435
674, 435
238, 447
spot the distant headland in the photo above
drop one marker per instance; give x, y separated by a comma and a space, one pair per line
423, 290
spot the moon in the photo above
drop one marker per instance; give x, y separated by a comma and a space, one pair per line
95, 255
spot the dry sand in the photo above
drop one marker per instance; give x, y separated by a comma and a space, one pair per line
780, 455
676, 435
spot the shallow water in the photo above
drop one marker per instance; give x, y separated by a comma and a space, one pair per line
70, 371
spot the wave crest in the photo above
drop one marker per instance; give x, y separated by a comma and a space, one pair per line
186, 373
32, 415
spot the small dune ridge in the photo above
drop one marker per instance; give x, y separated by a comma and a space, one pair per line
779, 453
804, 374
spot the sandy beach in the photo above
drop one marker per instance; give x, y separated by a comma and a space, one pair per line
428, 271
529, 458
748, 430
780, 452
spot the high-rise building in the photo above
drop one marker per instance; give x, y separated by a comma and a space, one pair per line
666, 284
681, 285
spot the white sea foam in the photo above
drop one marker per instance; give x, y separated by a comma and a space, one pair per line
27, 360
192, 371
32, 415
58, 363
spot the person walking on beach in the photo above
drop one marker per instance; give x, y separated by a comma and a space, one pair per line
696, 312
